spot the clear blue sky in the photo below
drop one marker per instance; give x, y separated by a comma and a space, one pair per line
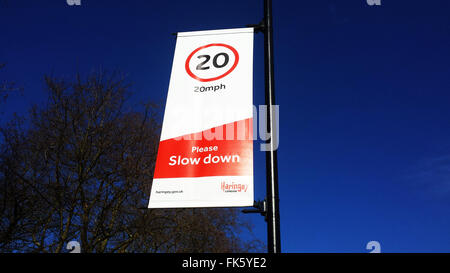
364, 94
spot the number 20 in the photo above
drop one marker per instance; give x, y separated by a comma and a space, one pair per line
201, 66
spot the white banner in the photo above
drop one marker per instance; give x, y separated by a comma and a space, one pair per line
205, 155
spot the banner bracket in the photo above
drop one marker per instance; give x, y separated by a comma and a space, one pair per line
260, 27
260, 207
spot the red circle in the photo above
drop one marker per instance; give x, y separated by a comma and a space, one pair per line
236, 60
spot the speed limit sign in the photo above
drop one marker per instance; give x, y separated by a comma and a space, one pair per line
205, 154
212, 62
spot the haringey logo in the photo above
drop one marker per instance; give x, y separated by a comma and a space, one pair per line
233, 187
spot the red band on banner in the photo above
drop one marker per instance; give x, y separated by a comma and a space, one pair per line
225, 150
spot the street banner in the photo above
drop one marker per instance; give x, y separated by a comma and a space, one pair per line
205, 154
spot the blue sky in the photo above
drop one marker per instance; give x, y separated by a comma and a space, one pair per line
364, 95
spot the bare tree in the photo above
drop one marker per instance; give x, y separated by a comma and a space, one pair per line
80, 168
6, 87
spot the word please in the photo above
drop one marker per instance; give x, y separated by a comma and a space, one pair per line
205, 149
178, 160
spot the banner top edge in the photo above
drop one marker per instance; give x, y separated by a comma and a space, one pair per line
216, 32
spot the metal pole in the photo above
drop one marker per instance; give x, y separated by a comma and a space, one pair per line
273, 212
